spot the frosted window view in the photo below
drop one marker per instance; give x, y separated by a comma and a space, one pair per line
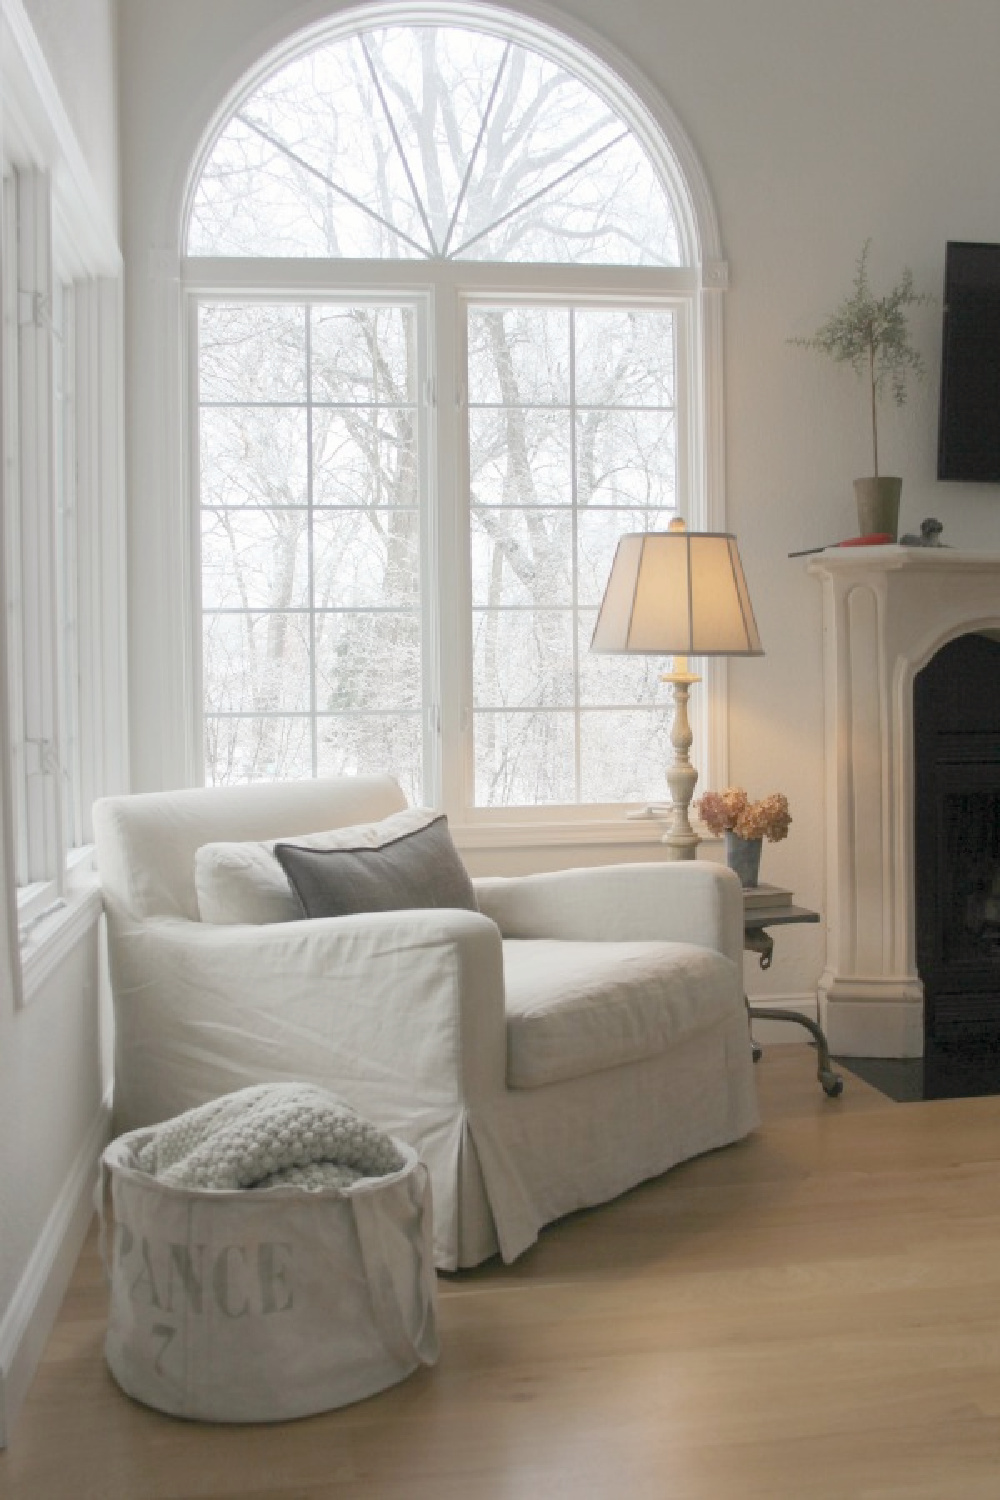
572, 442
310, 541
435, 142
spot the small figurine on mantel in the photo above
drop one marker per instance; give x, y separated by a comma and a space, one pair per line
930, 535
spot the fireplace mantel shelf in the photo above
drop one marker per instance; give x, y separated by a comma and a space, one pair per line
887, 610
890, 558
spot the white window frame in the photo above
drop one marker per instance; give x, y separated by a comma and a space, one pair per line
172, 280
63, 572
673, 290
419, 302
446, 290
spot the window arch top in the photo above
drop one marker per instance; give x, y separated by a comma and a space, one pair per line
436, 142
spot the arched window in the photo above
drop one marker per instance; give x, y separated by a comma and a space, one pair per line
468, 355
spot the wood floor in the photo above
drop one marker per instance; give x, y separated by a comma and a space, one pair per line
813, 1314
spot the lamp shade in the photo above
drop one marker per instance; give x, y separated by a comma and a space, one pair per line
677, 593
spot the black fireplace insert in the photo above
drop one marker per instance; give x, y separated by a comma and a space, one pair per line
956, 732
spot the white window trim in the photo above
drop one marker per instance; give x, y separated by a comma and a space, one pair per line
38, 691
170, 279
56, 927
71, 241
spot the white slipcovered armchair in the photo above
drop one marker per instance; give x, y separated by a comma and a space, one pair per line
581, 1032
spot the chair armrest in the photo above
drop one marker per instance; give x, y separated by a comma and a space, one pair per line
404, 1003
692, 902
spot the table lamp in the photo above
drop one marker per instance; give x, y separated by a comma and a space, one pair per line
677, 593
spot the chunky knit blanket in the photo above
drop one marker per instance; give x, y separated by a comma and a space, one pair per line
270, 1134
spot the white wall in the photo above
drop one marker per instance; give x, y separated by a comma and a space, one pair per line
78, 39
53, 1054
818, 125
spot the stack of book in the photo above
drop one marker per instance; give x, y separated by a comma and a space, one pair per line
765, 895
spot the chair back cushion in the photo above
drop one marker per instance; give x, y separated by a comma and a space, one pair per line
252, 882
400, 864
146, 843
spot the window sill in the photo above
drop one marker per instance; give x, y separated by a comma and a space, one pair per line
538, 835
48, 943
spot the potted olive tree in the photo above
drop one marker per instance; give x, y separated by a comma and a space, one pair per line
872, 335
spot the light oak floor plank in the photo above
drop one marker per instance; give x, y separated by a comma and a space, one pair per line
812, 1314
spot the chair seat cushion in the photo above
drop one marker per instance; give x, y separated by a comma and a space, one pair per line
576, 1007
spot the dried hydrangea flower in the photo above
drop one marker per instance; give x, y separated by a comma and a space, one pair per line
732, 810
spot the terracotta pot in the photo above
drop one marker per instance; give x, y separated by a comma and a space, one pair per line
878, 506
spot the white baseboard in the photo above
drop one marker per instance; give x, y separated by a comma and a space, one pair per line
770, 1033
880, 1016
28, 1320
874, 1028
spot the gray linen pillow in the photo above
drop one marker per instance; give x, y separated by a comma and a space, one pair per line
418, 869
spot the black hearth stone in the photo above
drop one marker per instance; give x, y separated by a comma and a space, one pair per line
954, 1072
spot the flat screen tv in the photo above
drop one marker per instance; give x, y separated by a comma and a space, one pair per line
969, 417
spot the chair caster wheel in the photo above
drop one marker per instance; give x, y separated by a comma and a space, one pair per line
833, 1084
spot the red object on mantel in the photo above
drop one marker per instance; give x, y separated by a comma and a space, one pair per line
873, 539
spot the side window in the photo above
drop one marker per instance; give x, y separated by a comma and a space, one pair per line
31, 529
63, 673
53, 327
10, 393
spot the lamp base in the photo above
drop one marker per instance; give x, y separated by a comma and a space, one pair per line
680, 839
680, 846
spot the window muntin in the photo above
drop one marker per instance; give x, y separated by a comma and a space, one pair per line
430, 141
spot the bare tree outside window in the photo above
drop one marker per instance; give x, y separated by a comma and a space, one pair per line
431, 141
447, 145
572, 443
310, 540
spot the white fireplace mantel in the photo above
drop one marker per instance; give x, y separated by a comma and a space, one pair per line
886, 611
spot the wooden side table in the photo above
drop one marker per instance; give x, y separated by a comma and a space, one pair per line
757, 939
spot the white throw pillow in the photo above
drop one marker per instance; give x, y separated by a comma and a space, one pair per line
245, 883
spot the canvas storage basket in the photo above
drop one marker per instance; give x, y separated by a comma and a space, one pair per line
259, 1306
